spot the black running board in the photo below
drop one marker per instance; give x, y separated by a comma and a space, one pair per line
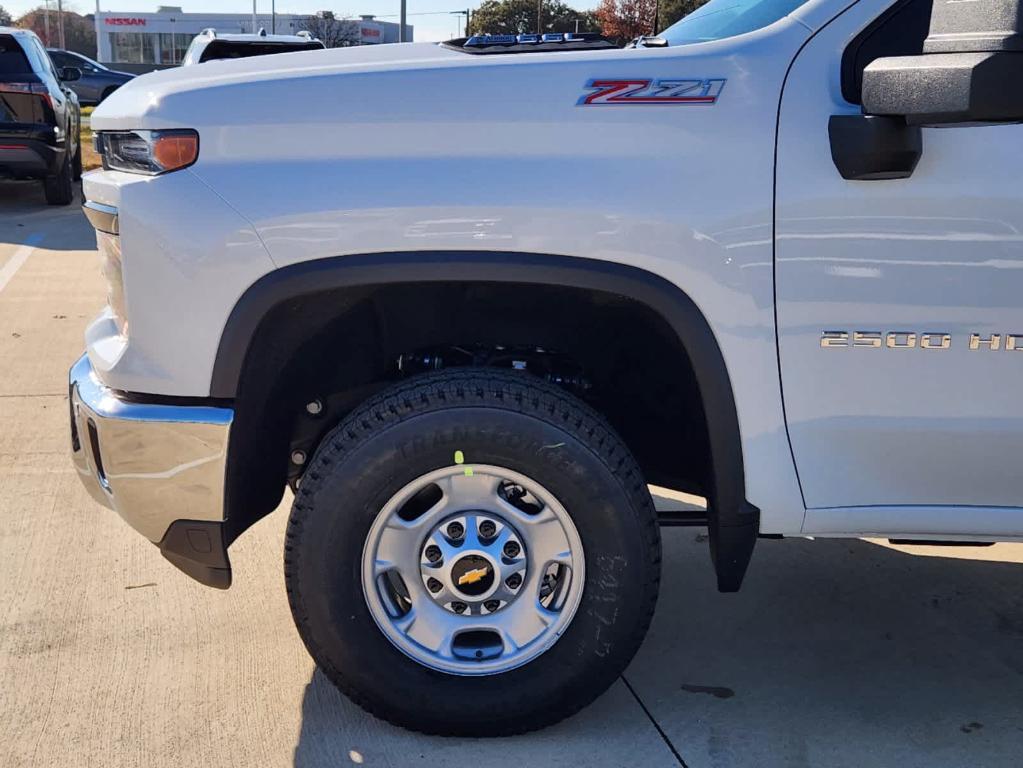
938, 543
679, 518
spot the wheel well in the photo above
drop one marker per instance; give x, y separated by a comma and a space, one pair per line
337, 347
632, 342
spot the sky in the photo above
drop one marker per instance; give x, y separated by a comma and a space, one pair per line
431, 19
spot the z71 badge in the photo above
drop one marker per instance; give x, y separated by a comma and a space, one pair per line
664, 91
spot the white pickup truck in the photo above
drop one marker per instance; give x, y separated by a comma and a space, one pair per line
468, 299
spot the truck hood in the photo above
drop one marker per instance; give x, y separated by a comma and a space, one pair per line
137, 104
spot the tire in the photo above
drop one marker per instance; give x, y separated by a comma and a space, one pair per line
76, 163
59, 189
499, 421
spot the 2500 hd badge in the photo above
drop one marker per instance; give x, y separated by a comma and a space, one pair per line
909, 340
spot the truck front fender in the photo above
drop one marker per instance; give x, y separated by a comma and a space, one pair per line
733, 521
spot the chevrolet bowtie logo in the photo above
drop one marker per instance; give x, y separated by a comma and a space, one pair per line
471, 577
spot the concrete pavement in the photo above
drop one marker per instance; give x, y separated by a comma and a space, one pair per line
836, 653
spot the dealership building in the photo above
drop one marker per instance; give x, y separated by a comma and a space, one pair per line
158, 38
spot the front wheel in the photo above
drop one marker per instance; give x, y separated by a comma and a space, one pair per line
473, 552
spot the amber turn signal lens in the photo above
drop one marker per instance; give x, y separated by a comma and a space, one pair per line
148, 152
175, 150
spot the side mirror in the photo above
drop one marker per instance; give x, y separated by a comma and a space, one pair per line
946, 88
969, 72
70, 74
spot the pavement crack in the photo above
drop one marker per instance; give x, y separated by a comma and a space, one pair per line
40, 394
650, 717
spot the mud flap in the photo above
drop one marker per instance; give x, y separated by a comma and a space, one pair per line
197, 548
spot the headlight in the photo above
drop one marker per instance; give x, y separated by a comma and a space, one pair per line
148, 152
109, 247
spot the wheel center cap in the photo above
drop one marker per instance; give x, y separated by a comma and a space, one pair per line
472, 575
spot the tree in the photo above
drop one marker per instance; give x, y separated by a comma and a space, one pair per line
625, 20
671, 11
5, 17
519, 17
79, 31
334, 32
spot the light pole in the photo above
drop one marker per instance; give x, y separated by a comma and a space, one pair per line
466, 14
60, 21
254, 30
401, 23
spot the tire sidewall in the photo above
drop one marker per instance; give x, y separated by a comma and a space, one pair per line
59, 189
345, 490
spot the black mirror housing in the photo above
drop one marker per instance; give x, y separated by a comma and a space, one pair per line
944, 88
970, 70
978, 26
70, 74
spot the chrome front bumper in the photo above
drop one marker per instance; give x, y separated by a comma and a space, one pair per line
160, 467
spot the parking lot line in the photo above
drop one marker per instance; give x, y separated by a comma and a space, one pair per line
20, 256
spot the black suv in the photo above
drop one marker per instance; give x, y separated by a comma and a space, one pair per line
39, 117
97, 81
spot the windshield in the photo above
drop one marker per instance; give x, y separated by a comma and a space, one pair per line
85, 60
719, 19
238, 49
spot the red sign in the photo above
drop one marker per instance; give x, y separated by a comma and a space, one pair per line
125, 22
370, 32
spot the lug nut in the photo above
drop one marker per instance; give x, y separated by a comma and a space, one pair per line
456, 530
433, 553
314, 408
487, 529
514, 581
512, 549
492, 605
298, 457
433, 585
458, 607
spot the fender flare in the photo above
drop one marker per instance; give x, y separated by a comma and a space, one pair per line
733, 521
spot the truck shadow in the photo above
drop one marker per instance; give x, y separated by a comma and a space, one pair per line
835, 653
25, 217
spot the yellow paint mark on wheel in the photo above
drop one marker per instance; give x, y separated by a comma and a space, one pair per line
460, 459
